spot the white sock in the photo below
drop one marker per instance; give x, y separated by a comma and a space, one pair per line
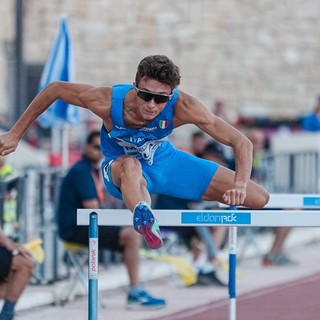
143, 203
207, 267
197, 266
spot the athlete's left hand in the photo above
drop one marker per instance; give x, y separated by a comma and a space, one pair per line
235, 196
8, 143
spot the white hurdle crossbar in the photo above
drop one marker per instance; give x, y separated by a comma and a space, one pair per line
231, 218
243, 218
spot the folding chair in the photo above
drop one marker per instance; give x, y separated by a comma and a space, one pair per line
76, 260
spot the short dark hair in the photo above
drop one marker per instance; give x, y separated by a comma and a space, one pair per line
92, 135
214, 148
198, 134
160, 68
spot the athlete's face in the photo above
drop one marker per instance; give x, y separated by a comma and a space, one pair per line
157, 94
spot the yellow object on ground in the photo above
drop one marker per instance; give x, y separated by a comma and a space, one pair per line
225, 265
182, 267
36, 250
74, 246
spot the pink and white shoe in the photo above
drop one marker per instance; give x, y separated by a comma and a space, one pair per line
145, 223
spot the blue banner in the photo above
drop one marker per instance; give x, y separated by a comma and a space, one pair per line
223, 217
59, 66
311, 201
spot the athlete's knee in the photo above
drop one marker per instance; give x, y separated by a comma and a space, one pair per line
29, 265
261, 199
265, 198
24, 265
128, 169
131, 166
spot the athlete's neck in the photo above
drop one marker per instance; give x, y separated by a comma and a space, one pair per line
132, 116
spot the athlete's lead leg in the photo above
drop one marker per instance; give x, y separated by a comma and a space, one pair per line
127, 176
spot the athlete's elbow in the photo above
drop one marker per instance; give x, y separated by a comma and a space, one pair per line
55, 86
247, 144
53, 90
242, 144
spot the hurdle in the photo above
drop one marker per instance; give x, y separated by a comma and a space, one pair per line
232, 218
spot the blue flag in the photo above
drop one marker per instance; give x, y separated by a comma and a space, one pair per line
59, 66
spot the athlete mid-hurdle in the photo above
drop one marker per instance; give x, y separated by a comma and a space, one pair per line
139, 160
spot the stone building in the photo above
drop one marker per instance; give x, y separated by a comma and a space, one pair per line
260, 57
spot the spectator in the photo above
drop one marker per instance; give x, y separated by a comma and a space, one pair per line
311, 121
276, 255
219, 110
197, 143
258, 139
16, 269
206, 273
213, 237
6, 170
8, 176
229, 116
213, 151
82, 187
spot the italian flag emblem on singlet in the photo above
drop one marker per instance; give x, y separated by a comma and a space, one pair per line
163, 124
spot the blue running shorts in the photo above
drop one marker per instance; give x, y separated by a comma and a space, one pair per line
174, 172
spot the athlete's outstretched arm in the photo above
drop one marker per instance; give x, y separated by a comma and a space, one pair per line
190, 110
68, 92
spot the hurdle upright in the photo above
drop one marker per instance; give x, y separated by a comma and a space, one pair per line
93, 267
229, 218
232, 269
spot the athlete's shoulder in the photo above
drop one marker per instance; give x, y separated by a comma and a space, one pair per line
104, 92
98, 100
186, 99
97, 94
189, 109
120, 90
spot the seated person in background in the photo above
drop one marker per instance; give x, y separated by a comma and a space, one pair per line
82, 187
213, 237
213, 151
16, 267
194, 236
275, 255
198, 141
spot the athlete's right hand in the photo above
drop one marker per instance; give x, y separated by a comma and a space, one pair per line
235, 196
8, 143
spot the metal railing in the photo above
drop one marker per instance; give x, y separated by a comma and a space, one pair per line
36, 194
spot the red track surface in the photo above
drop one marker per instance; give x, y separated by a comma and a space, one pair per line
298, 300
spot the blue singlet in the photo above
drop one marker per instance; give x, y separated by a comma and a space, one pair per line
166, 169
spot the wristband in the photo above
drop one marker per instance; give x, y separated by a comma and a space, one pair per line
15, 252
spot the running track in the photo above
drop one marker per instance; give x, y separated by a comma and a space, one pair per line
297, 300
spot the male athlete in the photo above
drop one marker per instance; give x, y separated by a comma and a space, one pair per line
139, 160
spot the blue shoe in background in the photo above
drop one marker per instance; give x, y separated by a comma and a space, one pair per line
145, 223
140, 299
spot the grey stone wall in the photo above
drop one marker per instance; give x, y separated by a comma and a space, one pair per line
6, 53
259, 56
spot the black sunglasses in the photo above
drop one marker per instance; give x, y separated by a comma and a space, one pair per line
157, 97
